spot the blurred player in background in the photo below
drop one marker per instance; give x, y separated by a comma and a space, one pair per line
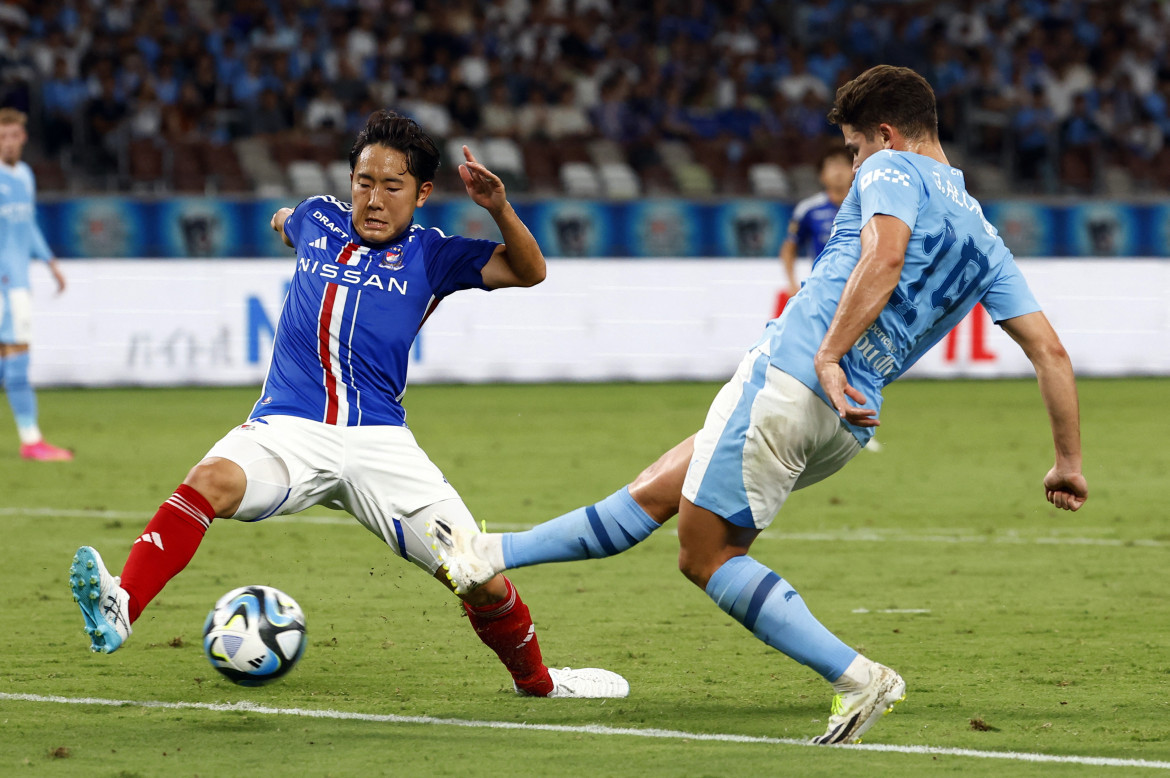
812, 219
329, 427
20, 241
911, 254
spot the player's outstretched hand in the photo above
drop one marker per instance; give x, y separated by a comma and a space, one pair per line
1067, 491
483, 186
838, 390
277, 223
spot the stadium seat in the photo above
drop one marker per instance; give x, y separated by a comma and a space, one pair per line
337, 172
504, 158
579, 179
603, 151
769, 180
50, 175
255, 158
273, 190
306, 177
189, 167
674, 152
540, 166
619, 180
224, 166
453, 153
145, 165
693, 179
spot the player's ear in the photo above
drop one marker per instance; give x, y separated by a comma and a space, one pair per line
424, 191
887, 133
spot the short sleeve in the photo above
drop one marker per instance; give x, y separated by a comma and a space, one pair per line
455, 263
292, 225
1009, 295
888, 184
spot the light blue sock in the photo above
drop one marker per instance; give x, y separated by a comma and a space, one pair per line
20, 391
767, 605
604, 529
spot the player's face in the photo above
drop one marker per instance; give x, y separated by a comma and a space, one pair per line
837, 177
862, 147
384, 193
12, 138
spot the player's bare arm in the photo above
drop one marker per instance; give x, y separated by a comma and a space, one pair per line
278, 220
1065, 485
519, 260
788, 259
58, 276
883, 250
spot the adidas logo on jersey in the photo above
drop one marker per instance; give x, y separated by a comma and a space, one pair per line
150, 537
319, 243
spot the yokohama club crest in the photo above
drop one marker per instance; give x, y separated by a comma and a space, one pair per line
392, 259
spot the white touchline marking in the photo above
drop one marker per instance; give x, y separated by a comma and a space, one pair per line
588, 729
886, 535
892, 610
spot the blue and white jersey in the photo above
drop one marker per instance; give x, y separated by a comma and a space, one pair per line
954, 259
353, 309
21, 238
812, 224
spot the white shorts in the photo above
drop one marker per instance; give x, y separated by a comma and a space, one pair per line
378, 474
15, 316
766, 434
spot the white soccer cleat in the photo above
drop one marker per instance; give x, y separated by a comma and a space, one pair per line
458, 549
857, 710
104, 603
586, 683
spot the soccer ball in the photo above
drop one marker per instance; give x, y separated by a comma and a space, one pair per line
254, 634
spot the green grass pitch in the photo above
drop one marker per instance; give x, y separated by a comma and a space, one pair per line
1018, 628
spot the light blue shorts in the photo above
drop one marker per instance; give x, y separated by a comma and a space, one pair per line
15, 316
766, 434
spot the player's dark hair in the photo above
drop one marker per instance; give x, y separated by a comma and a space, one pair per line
885, 94
834, 152
386, 128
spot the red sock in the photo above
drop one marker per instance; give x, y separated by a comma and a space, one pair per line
506, 628
165, 546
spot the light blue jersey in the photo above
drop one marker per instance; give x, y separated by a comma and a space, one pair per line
954, 260
20, 237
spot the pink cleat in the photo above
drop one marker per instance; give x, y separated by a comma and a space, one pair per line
43, 452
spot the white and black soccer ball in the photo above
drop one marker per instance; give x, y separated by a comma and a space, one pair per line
254, 634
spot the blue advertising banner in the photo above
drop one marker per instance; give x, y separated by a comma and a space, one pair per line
1028, 229
198, 227
1103, 229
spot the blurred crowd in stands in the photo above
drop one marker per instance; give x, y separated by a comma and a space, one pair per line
592, 97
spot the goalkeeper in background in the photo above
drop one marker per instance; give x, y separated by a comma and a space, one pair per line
21, 240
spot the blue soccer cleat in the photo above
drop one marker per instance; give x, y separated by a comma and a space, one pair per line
104, 604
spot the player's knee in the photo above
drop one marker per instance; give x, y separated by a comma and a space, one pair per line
696, 566
221, 482
650, 492
658, 488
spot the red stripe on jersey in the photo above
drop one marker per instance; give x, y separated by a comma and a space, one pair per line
326, 365
430, 309
323, 339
